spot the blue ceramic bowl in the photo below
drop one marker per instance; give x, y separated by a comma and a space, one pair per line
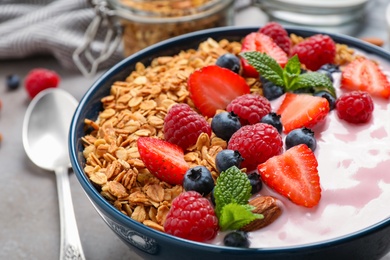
369, 243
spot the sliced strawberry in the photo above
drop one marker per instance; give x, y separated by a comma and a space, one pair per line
163, 159
212, 88
365, 75
294, 175
302, 110
262, 43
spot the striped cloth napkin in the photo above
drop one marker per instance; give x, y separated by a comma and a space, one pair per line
48, 27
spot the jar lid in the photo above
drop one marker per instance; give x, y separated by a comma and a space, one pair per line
152, 11
331, 4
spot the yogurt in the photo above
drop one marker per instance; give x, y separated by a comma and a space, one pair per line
354, 170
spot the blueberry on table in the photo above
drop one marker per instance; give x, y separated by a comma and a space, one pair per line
274, 120
236, 239
13, 81
229, 61
198, 179
301, 136
225, 124
228, 158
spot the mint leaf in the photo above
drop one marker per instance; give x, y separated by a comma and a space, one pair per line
293, 66
266, 66
290, 78
235, 216
291, 71
232, 186
316, 80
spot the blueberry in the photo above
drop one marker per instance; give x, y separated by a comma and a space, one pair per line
272, 91
225, 124
332, 68
256, 183
198, 179
13, 81
273, 119
236, 239
301, 136
229, 61
325, 94
328, 69
228, 158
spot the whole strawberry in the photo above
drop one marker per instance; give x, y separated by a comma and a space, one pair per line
256, 144
182, 126
163, 159
315, 51
278, 34
40, 79
192, 217
250, 108
355, 107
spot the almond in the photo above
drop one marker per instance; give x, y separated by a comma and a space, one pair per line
268, 207
373, 40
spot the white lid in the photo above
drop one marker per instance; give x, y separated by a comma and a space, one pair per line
323, 3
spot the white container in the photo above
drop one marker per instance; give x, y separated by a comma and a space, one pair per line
335, 15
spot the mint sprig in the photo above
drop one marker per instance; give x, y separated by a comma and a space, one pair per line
290, 76
232, 192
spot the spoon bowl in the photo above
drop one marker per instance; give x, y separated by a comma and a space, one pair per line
45, 129
45, 140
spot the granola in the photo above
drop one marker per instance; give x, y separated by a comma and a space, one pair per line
154, 21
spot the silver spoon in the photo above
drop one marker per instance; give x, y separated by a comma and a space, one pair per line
45, 139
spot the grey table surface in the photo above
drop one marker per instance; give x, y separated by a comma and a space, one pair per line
29, 219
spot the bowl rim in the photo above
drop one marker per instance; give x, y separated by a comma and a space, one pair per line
109, 209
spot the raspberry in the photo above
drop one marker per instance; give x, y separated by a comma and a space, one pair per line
250, 108
182, 126
278, 34
192, 217
40, 79
315, 51
256, 144
355, 107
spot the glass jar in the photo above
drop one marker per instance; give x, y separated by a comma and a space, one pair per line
140, 23
146, 22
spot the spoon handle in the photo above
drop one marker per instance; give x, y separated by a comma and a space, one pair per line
70, 241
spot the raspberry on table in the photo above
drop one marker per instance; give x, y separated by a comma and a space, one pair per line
256, 144
278, 34
355, 107
182, 126
40, 79
250, 108
315, 51
192, 217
